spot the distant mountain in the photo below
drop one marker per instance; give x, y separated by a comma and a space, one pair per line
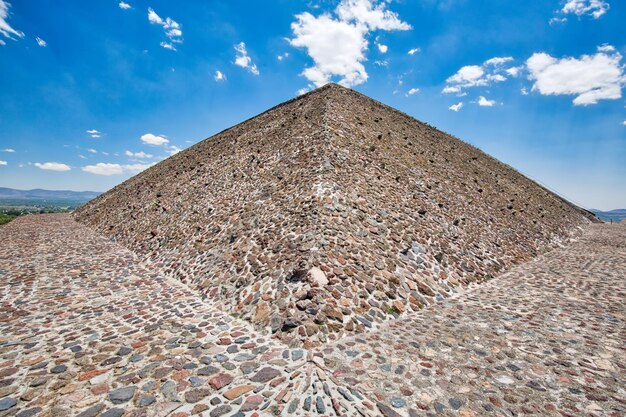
616, 215
46, 195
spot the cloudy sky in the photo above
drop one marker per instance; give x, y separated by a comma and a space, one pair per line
93, 92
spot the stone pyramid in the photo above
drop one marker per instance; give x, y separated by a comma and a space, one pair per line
331, 213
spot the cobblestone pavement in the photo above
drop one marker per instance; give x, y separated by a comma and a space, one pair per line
547, 338
86, 329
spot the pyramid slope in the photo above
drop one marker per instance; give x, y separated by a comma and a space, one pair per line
331, 213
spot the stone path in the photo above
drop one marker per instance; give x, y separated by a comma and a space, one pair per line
86, 329
548, 338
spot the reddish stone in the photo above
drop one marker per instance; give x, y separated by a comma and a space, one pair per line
236, 392
8, 371
90, 374
100, 388
220, 380
251, 403
29, 361
277, 382
180, 375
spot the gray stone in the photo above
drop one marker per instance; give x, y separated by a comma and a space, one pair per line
29, 412
265, 375
145, 400
397, 402
6, 403
221, 410
124, 350
386, 410
122, 395
58, 369
92, 411
455, 403
113, 412
208, 370
319, 405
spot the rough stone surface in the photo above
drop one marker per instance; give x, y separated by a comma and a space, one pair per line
331, 199
50, 262
545, 338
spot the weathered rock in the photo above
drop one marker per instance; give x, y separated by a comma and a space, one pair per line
266, 374
317, 277
122, 395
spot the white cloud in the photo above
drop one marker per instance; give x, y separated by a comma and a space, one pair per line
124, 6
337, 44
382, 48
283, 56
103, 168
370, 14
382, 62
219, 76
412, 91
155, 140
92, 150
171, 27
94, 133
174, 150
605, 47
5, 29
243, 60
491, 71
483, 102
595, 8
555, 20
498, 60
302, 91
413, 51
469, 75
3, 163
140, 155
456, 107
451, 89
52, 166
7, 150
590, 78
41, 42
624, 122
514, 71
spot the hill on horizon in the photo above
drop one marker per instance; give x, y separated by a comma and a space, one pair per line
616, 215
41, 194
331, 213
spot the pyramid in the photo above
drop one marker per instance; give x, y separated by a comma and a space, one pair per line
330, 214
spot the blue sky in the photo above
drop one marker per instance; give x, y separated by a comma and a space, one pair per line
93, 92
